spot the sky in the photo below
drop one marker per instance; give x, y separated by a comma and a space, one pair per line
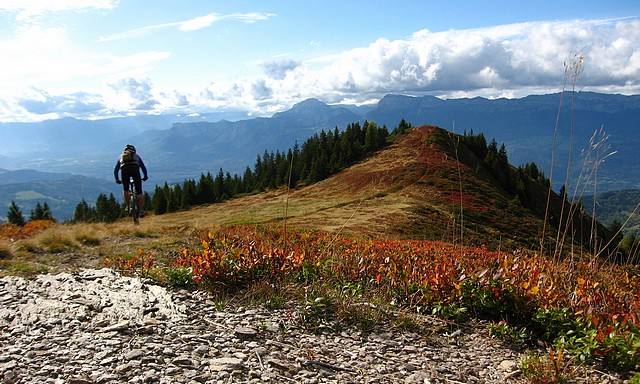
94, 59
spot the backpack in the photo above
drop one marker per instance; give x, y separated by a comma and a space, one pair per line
127, 157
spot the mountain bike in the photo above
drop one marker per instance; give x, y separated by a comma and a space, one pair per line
134, 209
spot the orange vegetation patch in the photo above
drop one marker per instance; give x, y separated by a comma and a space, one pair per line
15, 232
424, 275
421, 272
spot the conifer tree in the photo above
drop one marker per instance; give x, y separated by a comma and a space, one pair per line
147, 201
36, 213
204, 189
563, 192
83, 212
188, 198
176, 198
107, 208
219, 188
292, 173
47, 214
370, 138
402, 128
172, 198
159, 201
41, 212
14, 216
247, 181
230, 185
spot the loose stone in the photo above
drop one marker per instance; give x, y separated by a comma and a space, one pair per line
96, 326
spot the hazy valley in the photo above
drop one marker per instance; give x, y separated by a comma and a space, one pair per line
176, 148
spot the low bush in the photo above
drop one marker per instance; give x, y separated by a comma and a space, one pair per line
588, 309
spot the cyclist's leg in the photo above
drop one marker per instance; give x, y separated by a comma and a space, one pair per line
141, 202
125, 193
126, 175
138, 187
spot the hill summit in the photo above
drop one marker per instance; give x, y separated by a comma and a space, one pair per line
430, 184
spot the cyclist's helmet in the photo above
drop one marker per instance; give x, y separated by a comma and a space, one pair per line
130, 147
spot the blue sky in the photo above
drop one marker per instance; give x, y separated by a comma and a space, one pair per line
103, 58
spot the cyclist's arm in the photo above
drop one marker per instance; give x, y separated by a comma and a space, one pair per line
143, 168
116, 170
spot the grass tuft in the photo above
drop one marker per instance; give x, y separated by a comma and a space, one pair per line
550, 368
22, 267
50, 241
6, 250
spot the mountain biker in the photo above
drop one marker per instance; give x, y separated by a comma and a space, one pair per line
129, 165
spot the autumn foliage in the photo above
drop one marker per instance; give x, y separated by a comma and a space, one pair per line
591, 308
15, 232
426, 274
437, 270
141, 264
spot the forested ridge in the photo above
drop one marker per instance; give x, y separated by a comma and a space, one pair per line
320, 156
323, 155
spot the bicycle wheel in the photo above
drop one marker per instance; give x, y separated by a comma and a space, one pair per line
134, 210
133, 204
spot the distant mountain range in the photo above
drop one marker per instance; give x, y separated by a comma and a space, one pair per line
182, 147
622, 206
526, 126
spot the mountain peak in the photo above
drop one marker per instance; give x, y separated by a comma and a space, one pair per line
316, 113
313, 106
420, 185
311, 102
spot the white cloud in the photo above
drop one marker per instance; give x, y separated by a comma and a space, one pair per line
278, 69
251, 17
505, 60
26, 10
135, 95
502, 61
190, 25
198, 22
78, 104
47, 56
207, 20
260, 90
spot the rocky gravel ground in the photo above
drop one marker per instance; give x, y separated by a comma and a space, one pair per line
96, 326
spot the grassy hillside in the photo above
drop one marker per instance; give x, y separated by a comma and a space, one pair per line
427, 184
420, 227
